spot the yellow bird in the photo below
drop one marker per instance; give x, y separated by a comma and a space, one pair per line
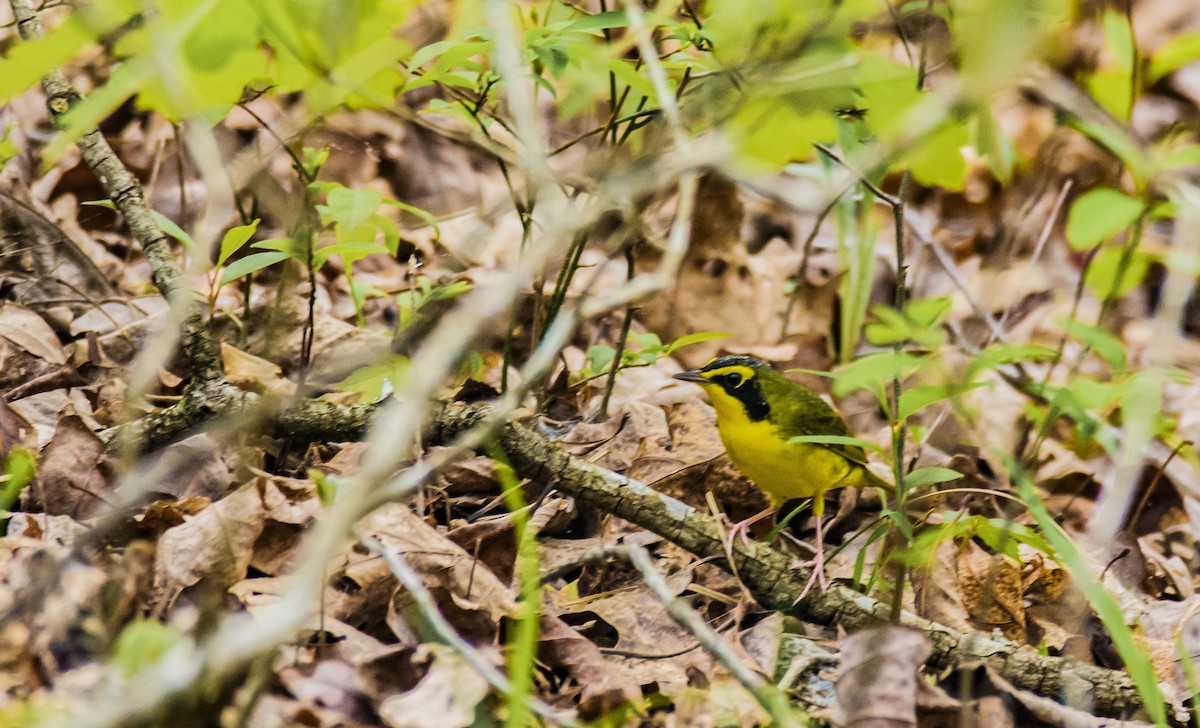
759, 412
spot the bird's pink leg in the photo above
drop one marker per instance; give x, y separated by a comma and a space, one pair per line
742, 528
817, 563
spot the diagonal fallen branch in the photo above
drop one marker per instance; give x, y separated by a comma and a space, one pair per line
769, 575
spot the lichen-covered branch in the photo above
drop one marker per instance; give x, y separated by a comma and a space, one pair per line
769, 575
310, 420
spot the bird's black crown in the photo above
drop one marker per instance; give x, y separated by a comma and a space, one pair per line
734, 360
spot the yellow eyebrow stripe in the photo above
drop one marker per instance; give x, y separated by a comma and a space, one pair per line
745, 372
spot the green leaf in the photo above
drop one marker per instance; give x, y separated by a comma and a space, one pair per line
1000, 354
169, 227
554, 57
928, 311
28, 61
1165, 210
450, 290
1002, 536
8, 148
351, 208
1119, 38
1109, 347
1099, 214
915, 399
327, 486
995, 38
1091, 395
835, 440
19, 468
770, 133
647, 341
313, 159
143, 643
390, 232
874, 371
696, 338
600, 21
427, 53
890, 327
290, 246
1179, 51
424, 215
234, 239
378, 380
1102, 274
918, 323
928, 476
631, 76
251, 263
348, 252
1111, 89
937, 159
599, 357
997, 149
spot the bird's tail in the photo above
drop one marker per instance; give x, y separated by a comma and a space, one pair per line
871, 480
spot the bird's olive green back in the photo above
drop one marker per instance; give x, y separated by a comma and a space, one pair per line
797, 410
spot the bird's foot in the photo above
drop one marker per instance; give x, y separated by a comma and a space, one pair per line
817, 564
740, 528
817, 577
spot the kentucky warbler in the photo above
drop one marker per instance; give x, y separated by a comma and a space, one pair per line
759, 411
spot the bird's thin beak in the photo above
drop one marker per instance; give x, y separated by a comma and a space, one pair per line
690, 376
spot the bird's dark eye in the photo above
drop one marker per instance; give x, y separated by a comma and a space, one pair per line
733, 379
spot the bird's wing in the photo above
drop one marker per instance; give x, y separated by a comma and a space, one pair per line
810, 415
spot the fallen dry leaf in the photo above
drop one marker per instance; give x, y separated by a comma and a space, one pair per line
197, 466
214, 546
31, 333
879, 677
936, 595
719, 702
645, 642
603, 685
254, 374
60, 531
122, 328
992, 591
73, 478
161, 515
442, 564
446, 697
14, 430
495, 542
329, 686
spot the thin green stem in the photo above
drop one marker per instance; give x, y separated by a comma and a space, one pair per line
619, 352
523, 637
899, 430
566, 274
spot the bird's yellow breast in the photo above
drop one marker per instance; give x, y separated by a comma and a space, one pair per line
762, 453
